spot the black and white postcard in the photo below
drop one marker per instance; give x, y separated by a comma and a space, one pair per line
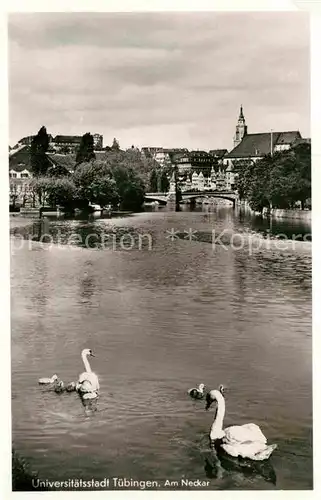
158, 192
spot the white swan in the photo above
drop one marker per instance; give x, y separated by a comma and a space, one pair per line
71, 387
88, 380
47, 380
90, 395
246, 441
59, 387
197, 392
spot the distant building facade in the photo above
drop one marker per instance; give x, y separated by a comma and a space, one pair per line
181, 159
98, 141
65, 144
20, 176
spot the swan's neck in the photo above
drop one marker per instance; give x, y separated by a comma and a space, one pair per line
219, 417
86, 363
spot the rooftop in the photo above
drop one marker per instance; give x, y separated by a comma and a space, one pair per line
20, 159
218, 153
65, 161
260, 144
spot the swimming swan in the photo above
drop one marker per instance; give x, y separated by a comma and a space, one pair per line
71, 387
88, 380
48, 380
59, 387
246, 441
197, 393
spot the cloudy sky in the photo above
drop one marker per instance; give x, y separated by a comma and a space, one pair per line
158, 79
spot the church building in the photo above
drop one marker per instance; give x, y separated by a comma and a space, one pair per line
254, 147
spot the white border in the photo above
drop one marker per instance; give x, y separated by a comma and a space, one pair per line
161, 5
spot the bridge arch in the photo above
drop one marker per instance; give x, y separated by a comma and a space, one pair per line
163, 198
233, 197
156, 197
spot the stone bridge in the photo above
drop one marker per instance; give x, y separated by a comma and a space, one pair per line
164, 198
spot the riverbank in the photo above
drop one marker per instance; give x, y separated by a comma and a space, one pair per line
304, 215
280, 213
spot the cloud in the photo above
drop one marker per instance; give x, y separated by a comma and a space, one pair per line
131, 74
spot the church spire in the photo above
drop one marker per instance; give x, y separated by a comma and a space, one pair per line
241, 128
241, 117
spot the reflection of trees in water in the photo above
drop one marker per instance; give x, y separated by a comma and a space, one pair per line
276, 227
87, 286
87, 282
87, 235
31, 231
40, 291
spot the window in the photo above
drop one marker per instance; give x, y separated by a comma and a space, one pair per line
25, 175
13, 175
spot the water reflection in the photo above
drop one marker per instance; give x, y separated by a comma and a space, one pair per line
87, 284
217, 465
276, 227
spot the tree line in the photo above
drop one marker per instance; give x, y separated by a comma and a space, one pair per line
159, 180
280, 180
118, 178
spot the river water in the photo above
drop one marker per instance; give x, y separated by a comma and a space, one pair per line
163, 310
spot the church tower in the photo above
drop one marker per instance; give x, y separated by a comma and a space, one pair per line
241, 128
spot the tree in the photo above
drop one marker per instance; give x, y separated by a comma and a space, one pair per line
61, 192
110, 181
179, 196
164, 182
153, 181
277, 181
39, 186
25, 193
130, 187
39, 147
85, 151
303, 172
54, 191
104, 191
132, 158
13, 194
115, 145
95, 184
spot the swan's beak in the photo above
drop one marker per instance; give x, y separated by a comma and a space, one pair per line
91, 354
209, 401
